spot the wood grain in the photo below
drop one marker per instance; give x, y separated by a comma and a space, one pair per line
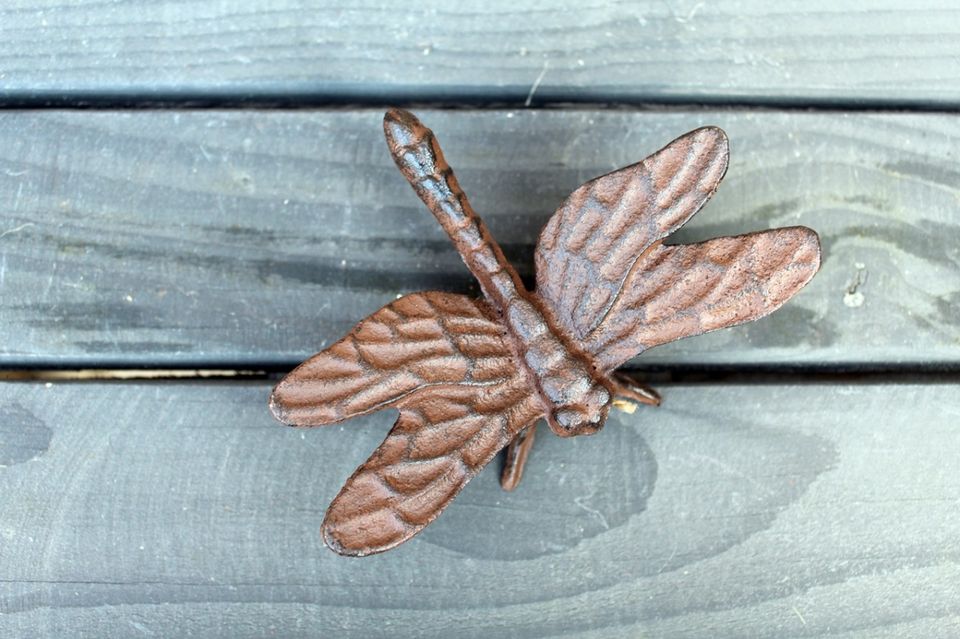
763, 511
880, 52
247, 239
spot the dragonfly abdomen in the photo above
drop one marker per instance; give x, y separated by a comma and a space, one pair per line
415, 150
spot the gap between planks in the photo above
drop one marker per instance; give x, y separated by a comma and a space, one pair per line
700, 375
95, 374
466, 98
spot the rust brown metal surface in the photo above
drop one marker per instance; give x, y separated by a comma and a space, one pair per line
516, 457
471, 377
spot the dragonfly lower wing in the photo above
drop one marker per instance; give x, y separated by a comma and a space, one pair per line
441, 440
417, 342
685, 290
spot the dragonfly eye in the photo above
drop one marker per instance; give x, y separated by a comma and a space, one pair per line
602, 397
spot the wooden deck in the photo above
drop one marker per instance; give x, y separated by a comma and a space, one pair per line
196, 186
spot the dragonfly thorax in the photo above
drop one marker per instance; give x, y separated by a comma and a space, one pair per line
578, 397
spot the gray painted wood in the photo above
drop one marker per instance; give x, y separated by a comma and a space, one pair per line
249, 238
880, 51
763, 511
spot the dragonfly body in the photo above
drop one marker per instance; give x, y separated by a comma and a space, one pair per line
576, 395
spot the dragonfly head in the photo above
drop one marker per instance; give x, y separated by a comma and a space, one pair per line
583, 415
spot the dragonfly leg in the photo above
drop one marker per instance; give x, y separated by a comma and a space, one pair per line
629, 393
517, 452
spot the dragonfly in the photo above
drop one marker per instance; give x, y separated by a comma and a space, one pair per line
472, 377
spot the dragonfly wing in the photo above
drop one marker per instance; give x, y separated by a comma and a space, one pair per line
420, 341
444, 436
679, 291
602, 229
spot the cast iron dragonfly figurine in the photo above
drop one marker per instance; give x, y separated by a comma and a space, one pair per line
472, 376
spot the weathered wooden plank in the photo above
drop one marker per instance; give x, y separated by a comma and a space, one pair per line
762, 511
883, 51
244, 238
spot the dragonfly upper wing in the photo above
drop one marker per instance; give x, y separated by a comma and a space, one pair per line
679, 291
602, 229
444, 436
418, 342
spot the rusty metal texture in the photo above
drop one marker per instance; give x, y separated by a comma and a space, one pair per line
472, 376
